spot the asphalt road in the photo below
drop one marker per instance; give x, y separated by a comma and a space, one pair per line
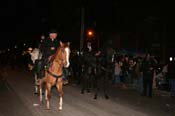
17, 99
11, 104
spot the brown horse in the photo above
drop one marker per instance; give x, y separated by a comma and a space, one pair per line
54, 75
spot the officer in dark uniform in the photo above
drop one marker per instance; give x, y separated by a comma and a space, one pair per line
89, 62
171, 77
49, 46
147, 71
107, 64
38, 67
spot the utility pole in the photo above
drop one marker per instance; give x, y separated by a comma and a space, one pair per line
82, 28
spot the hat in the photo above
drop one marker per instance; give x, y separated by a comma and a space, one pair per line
53, 31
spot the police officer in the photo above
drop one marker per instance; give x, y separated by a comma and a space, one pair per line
39, 62
147, 71
171, 77
49, 46
88, 62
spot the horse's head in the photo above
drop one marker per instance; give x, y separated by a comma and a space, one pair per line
63, 53
35, 54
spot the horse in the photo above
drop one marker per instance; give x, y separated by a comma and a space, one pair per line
104, 71
36, 57
54, 74
88, 63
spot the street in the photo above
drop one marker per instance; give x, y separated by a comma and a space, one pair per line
17, 99
11, 104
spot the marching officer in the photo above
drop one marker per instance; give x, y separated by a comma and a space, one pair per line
88, 66
147, 72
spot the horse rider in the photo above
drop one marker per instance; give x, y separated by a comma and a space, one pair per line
29, 60
49, 47
38, 66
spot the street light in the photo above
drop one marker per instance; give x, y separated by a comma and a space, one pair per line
90, 33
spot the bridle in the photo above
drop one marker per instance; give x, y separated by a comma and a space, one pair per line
62, 59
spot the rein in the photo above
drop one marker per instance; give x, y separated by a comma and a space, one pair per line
56, 76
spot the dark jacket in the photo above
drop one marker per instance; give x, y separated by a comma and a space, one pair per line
147, 67
47, 46
171, 70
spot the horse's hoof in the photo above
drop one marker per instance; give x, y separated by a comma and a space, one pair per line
95, 97
47, 108
82, 92
88, 91
106, 97
60, 109
36, 93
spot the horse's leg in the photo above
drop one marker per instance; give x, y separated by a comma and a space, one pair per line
95, 87
83, 80
36, 84
96, 84
40, 89
59, 86
48, 87
88, 79
106, 85
46, 94
88, 83
42, 84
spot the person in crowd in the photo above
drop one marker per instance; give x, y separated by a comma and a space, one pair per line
147, 71
171, 76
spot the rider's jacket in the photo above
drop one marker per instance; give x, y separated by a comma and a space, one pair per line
49, 47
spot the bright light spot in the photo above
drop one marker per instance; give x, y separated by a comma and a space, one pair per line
90, 33
30, 49
171, 58
24, 44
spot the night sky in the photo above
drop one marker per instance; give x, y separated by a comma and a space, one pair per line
25, 20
